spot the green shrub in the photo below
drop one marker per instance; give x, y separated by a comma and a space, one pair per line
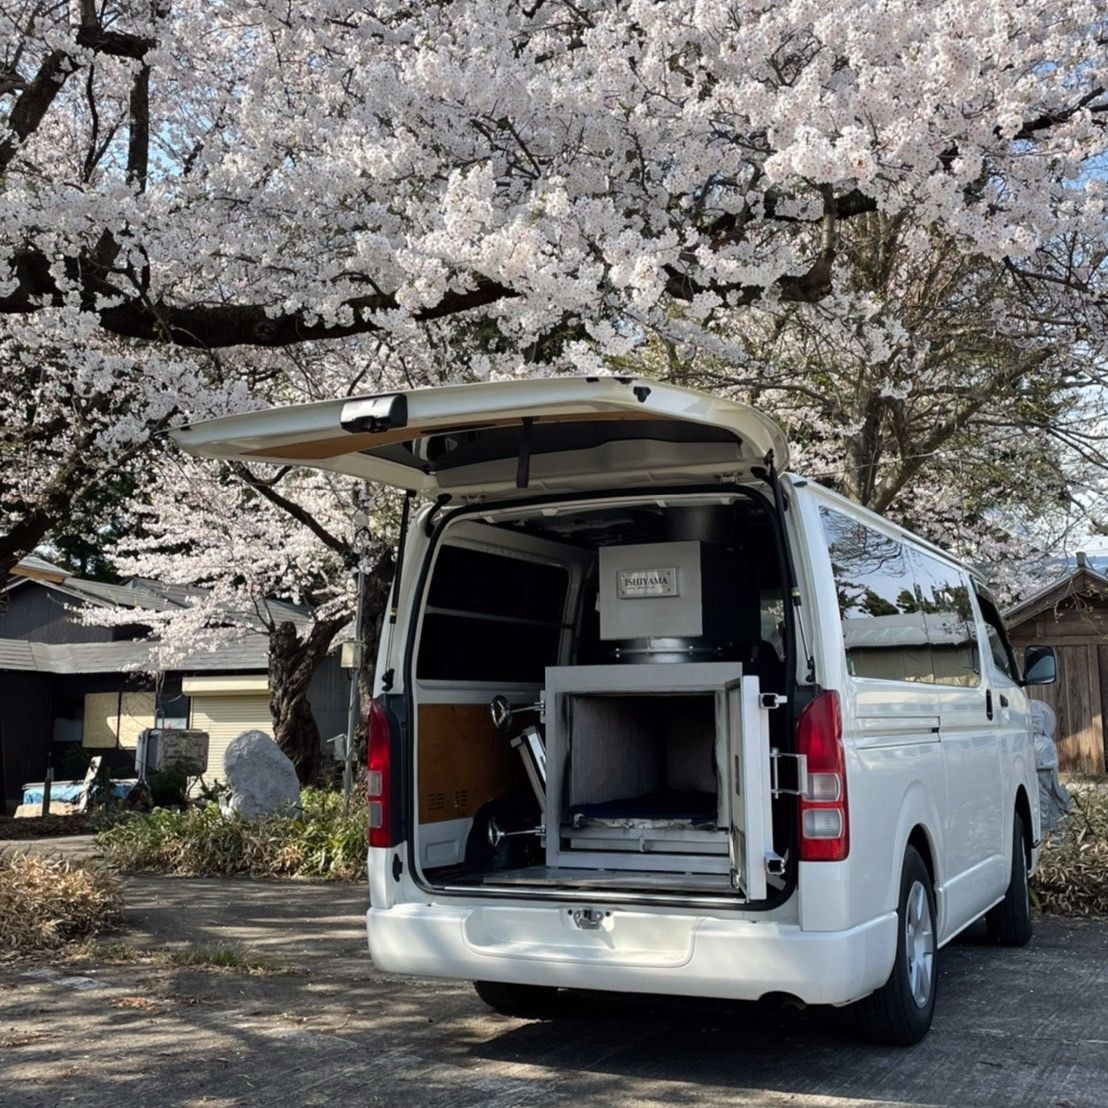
1072, 878
169, 787
201, 841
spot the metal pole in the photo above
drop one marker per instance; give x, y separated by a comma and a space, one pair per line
47, 785
361, 531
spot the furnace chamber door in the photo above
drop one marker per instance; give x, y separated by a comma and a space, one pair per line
747, 780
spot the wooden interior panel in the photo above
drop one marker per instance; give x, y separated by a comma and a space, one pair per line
463, 762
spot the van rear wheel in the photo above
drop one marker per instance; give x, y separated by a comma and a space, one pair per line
900, 1012
523, 1001
1009, 922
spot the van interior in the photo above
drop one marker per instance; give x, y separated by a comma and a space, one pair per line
574, 674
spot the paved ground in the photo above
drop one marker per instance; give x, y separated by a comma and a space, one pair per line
72, 846
1025, 1027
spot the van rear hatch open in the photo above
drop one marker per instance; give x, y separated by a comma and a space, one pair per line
507, 439
666, 624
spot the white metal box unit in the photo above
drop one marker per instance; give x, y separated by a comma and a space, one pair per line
633, 758
668, 601
160, 748
651, 589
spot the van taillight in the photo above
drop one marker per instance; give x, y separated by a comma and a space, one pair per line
379, 756
824, 822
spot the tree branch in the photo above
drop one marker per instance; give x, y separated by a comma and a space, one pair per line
138, 141
117, 43
291, 508
1052, 119
34, 102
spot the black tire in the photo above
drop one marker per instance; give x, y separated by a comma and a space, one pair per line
1009, 922
894, 1014
524, 1001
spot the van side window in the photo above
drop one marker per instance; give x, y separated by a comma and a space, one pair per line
883, 624
491, 618
999, 647
948, 614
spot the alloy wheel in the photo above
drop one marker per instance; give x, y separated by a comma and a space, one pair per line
919, 944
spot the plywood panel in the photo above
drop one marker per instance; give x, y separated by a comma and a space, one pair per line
136, 712
1095, 737
101, 728
1102, 671
463, 762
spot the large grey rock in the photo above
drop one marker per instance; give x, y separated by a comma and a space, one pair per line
261, 778
1054, 798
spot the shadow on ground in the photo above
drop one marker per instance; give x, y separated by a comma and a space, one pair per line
1013, 1027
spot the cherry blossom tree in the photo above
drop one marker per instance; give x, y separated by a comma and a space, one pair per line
454, 191
213, 174
78, 411
932, 386
255, 549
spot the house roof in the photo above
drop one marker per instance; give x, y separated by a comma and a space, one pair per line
904, 629
1082, 580
145, 594
35, 568
248, 653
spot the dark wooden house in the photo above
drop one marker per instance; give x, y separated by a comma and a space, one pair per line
1072, 616
68, 685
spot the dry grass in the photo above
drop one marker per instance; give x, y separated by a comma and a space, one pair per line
227, 958
48, 902
1072, 879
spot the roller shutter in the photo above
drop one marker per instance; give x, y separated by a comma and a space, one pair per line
225, 717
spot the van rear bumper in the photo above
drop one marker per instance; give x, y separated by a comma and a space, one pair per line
633, 952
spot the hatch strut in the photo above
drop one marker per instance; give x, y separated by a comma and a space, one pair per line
790, 571
523, 466
394, 601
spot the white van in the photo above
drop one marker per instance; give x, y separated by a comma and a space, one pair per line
653, 715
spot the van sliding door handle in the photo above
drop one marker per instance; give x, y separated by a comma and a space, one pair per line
988, 703
1003, 701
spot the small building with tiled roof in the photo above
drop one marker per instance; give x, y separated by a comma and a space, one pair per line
70, 686
1071, 614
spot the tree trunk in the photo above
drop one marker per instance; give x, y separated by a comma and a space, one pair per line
292, 661
20, 540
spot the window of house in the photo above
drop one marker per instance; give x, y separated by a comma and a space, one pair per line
491, 617
101, 720
173, 712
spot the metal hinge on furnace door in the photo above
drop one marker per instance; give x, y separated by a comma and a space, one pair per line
776, 757
768, 702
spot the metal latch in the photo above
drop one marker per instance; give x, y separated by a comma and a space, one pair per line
775, 759
771, 700
775, 864
588, 919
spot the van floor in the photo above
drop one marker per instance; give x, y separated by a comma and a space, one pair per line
568, 876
